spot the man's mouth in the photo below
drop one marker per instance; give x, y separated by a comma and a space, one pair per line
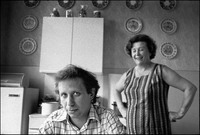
72, 110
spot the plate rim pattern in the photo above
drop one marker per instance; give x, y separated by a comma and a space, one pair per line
68, 5
100, 6
21, 44
169, 7
35, 21
172, 21
139, 27
128, 4
27, 3
173, 54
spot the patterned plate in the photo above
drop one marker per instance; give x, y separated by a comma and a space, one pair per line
168, 26
169, 50
168, 4
67, 4
133, 25
27, 46
31, 3
100, 4
29, 23
134, 4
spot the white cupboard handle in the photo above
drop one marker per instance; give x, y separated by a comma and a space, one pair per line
14, 95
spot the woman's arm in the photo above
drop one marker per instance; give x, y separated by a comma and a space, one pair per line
119, 87
189, 89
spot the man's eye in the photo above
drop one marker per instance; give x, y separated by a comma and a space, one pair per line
141, 49
63, 95
77, 94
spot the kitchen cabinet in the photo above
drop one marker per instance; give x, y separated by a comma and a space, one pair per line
73, 40
35, 121
16, 105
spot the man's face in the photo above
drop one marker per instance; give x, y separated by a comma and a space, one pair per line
74, 98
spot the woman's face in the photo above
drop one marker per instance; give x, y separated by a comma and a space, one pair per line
140, 53
74, 98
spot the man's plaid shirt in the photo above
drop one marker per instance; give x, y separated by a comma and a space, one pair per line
100, 121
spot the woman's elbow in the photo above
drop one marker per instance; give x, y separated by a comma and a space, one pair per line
193, 89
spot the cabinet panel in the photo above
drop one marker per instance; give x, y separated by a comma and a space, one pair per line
87, 49
35, 121
76, 41
56, 43
16, 104
11, 110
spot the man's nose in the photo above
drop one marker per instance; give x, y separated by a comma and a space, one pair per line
70, 101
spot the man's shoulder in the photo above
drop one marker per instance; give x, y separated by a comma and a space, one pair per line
109, 120
57, 114
102, 110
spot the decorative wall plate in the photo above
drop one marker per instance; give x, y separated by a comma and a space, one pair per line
168, 4
168, 26
169, 50
133, 25
27, 46
29, 23
31, 3
100, 4
67, 4
134, 4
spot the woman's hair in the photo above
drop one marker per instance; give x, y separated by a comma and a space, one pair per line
73, 72
150, 43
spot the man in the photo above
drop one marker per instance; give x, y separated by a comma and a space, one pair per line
77, 89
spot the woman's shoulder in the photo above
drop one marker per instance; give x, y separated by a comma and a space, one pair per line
127, 73
161, 66
164, 67
130, 70
164, 70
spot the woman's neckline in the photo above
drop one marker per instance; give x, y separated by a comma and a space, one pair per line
147, 72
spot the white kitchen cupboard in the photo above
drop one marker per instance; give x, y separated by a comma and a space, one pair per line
16, 105
74, 40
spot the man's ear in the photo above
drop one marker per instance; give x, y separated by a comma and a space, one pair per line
92, 93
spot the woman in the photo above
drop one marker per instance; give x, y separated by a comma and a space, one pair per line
146, 89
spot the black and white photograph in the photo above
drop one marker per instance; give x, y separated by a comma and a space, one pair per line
99, 67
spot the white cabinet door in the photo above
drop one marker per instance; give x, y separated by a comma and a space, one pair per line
16, 104
76, 41
56, 43
87, 49
11, 110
